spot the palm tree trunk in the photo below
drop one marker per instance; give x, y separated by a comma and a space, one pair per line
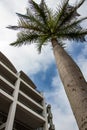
74, 84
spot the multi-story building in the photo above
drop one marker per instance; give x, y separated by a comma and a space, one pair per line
22, 107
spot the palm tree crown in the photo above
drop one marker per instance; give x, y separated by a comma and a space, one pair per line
40, 24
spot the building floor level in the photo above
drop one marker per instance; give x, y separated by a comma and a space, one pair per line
22, 107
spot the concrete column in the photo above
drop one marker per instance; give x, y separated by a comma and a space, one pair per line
12, 109
45, 127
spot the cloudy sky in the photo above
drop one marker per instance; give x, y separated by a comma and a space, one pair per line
41, 68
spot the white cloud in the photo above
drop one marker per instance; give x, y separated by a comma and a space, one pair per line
83, 9
63, 121
12, 6
82, 61
27, 58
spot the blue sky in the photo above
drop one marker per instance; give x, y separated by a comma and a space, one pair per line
41, 68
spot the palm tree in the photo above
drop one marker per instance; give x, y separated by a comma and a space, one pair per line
40, 24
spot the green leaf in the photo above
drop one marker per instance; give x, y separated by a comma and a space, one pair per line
40, 24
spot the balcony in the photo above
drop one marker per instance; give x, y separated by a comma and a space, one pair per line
30, 92
30, 103
28, 117
7, 74
6, 86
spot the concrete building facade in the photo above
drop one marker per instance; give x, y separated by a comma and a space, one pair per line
22, 107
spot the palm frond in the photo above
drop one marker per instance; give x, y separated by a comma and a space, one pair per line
73, 24
32, 19
23, 38
26, 26
60, 12
42, 41
42, 4
29, 22
75, 34
31, 26
60, 42
70, 13
47, 12
13, 27
80, 3
38, 11
23, 16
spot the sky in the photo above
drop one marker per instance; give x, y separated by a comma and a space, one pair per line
41, 68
